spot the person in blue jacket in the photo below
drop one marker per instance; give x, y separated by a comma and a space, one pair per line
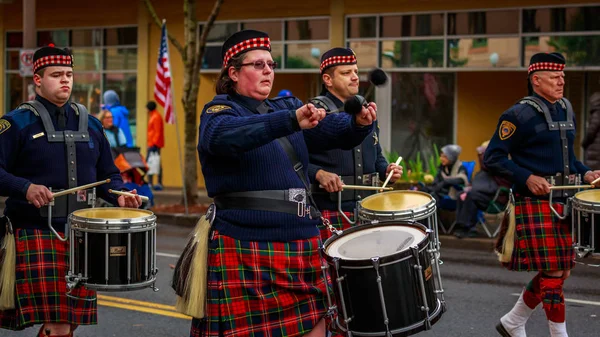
120, 114
264, 268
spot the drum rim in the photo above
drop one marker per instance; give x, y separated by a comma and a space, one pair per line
123, 224
427, 209
396, 257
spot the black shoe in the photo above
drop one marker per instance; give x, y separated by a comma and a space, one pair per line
501, 330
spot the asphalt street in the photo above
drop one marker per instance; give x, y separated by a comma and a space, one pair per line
477, 292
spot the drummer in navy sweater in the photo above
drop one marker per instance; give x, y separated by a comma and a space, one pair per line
50, 143
264, 273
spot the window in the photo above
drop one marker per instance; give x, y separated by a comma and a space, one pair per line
103, 59
570, 19
295, 43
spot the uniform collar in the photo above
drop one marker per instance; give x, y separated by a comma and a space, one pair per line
51, 107
246, 101
551, 106
337, 101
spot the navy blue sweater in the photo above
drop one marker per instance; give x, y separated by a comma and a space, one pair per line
25, 159
239, 152
533, 148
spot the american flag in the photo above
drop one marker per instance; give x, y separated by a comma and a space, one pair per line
162, 84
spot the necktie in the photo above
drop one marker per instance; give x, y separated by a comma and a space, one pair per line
263, 108
62, 118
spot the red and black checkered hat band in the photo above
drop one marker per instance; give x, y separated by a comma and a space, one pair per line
52, 60
337, 60
246, 45
549, 66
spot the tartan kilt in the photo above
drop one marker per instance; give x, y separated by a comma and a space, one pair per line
336, 220
543, 242
260, 288
42, 262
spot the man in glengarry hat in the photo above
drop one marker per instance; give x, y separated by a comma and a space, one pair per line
44, 145
363, 165
538, 134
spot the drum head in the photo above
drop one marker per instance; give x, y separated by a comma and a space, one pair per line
375, 242
396, 201
592, 196
112, 213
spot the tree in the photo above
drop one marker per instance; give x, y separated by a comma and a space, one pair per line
191, 53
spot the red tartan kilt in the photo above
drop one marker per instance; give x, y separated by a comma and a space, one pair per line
262, 288
337, 220
543, 242
42, 262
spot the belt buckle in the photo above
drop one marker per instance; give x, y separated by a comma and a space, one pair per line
370, 179
571, 178
303, 210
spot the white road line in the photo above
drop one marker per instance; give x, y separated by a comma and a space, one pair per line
175, 256
568, 300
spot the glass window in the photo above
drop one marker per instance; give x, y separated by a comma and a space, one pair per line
578, 50
484, 52
87, 59
14, 91
277, 53
14, 40
422, 112
120, 36
366, 53
421, 53
60, 38
362, 27
86, 37
273, 28
120, 59
315, 29
492, 22
12, 60
572, 19
212, 58
412, 25
220, 31
304, 55
86, 90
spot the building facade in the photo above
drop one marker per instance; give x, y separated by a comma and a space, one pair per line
453, 67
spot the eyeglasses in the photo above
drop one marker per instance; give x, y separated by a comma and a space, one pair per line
260, 64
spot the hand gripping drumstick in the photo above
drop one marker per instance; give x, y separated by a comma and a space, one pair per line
79, 188
595, 181
387, 180
127, 194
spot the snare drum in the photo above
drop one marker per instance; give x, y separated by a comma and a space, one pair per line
112, 249
586, 224
383, 279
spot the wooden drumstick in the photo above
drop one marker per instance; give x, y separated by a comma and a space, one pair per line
570, 187
127, 194
365, 188
387, 180
79, 188
595, 182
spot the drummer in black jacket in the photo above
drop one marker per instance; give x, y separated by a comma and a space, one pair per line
330, 170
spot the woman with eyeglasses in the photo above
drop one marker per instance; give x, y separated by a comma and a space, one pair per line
264, 267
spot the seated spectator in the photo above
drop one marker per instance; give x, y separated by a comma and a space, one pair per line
477, 197
451, 174
115, 136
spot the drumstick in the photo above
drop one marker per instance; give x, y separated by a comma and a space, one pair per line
365, 188
570, 187
127, 194
595, 181
79, 188
390, 174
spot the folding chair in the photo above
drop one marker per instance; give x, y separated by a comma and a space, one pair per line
494, 213
448, 204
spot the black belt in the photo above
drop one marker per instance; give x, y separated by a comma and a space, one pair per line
292, 201
560, 180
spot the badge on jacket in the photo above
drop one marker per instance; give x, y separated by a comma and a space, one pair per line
506, 130
375, 138
217, 108
4, 125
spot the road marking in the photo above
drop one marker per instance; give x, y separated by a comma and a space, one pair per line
142, 306
167, 255
572, 301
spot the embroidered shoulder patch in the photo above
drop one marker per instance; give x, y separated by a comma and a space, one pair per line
506, 130
217, 108
4, 125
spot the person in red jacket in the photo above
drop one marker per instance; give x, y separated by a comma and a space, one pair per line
156, 140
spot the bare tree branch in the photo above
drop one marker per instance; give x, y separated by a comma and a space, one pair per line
204, 36
158, 22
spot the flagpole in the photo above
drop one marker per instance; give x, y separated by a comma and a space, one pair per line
185, 201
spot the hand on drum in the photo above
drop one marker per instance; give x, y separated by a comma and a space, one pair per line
397, 172
538, 185
591, 176
38, 195
331, 182
367, 115
130, 202
309, 116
